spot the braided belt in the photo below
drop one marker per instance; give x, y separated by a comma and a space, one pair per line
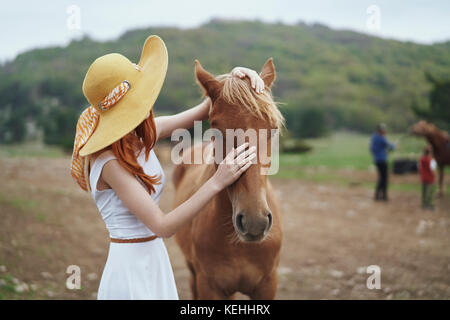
136, 240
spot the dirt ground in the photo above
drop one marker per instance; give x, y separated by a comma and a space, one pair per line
332, 232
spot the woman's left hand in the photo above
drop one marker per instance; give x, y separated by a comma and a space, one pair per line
255, 80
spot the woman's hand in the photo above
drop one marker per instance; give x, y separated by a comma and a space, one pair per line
237, 161
137, 199
255, 79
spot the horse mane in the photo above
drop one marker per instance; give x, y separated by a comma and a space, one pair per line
438, 131
262, 105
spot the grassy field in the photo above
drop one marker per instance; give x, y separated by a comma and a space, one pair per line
344, 157
344, 150
30, 150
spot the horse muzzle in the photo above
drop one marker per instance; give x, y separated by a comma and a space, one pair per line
252, 227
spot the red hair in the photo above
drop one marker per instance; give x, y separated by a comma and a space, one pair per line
128, 148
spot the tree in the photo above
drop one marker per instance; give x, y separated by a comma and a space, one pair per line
438, 110
15, 108
309, 122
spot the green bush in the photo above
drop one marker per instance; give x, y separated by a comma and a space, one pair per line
307, 122
292, 145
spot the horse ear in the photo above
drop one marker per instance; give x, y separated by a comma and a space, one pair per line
207, 81
268, 73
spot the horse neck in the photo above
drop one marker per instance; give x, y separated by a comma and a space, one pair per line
431, 140
439, 143
436, 139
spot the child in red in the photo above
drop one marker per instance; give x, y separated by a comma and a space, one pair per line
427, 166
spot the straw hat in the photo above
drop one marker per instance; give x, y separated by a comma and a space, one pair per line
144, 82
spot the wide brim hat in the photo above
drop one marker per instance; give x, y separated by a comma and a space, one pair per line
145, 80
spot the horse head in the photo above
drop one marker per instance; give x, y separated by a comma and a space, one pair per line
241, 114
422, 128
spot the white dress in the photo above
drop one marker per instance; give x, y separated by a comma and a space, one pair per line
132, 270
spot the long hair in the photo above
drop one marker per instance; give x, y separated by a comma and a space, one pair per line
128, 148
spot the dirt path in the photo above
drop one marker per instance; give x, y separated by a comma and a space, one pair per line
331, 234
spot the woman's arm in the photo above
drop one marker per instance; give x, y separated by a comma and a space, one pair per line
165, 125
139, 202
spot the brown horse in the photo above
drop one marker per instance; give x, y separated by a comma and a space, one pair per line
440, 143
233, 245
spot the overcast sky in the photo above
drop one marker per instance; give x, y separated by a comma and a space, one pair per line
26, 24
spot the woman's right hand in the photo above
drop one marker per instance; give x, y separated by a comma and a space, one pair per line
237, 161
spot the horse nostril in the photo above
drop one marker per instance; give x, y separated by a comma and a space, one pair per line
270, 218
240, 223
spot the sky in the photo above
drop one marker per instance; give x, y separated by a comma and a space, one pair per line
26, 24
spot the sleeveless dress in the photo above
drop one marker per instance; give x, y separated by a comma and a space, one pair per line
132, 270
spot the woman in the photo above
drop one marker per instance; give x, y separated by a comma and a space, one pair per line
113, 158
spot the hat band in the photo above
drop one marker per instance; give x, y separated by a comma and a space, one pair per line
114, 96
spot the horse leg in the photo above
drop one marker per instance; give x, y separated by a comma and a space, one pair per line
205, 291
441, 181
193, 281
266, 289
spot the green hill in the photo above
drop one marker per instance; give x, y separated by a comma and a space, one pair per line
353, 80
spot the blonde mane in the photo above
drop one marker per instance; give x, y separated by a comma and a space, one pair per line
261, 105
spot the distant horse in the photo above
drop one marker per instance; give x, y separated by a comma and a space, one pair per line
440, 143
234, 244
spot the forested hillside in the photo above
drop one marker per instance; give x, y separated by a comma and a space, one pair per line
326, 78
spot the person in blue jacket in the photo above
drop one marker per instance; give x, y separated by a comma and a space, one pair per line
379, 146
